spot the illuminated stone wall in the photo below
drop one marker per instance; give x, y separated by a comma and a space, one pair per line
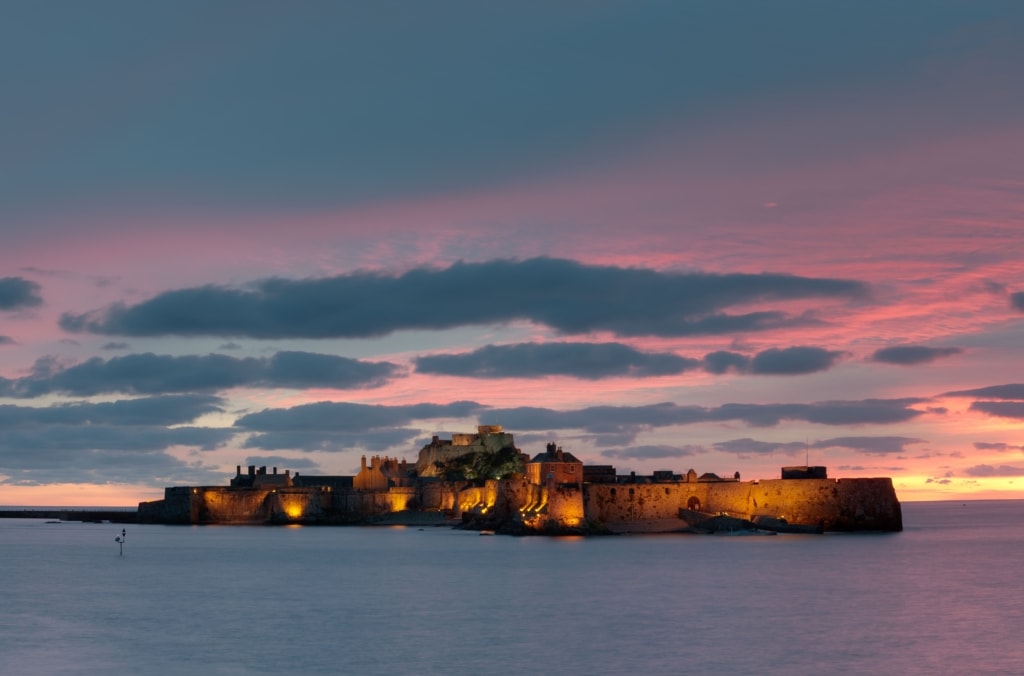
224, 505
839, 504
611, 503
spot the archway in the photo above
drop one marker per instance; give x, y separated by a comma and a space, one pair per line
693, 503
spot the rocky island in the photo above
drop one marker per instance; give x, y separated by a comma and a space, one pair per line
482, 481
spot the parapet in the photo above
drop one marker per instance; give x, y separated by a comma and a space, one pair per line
804, 472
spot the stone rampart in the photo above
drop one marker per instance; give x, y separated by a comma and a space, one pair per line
837, 504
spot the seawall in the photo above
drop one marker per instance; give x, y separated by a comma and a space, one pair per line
835, 504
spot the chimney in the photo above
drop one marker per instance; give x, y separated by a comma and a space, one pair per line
275, 470
238, 470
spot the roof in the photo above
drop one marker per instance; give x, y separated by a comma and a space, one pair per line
552, 456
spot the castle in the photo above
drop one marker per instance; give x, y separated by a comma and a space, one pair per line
484, 481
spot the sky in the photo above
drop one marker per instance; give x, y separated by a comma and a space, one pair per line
727, 236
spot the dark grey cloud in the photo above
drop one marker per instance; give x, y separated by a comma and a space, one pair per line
149, 411
308, 424
794, 360
568, 296
653, 452
17, 293
722, 361
593, 361
629, 420
31, 444
589, 361
912, 354
998, 446
373, 441
1010, 391
114, 346
1017, 301
343, 426
60, 455
994, 471
7, 340
993, 287
155, 374
1000, 409
119, 441
873, 445
748, 447
785, 361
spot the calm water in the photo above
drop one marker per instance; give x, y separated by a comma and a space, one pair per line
945, 596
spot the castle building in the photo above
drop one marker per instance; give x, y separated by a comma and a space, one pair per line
381, 474
555, 465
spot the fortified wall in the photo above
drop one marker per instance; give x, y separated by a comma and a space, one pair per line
301, 505
557, 493
835, 504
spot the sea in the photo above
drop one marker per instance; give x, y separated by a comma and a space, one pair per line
945, 596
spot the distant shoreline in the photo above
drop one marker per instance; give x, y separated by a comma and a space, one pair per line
111, 514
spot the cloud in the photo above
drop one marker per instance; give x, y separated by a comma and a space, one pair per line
1017, 301
7, 340
1001, 447
17, 293
333, 441
570, 297
593, 361
994, 471
793, 360
653, 452
1011, 391
340, 426
162, 410
348, 417
871, 445
104, 456
881, 445
722, 361
107, 442
1000, 409
589, 361
627, 420
912, 354
32, 446
114, 346
747, 446
156, 374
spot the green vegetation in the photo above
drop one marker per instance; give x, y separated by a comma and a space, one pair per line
479, 466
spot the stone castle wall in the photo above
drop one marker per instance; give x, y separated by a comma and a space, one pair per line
836, 504
839, 504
